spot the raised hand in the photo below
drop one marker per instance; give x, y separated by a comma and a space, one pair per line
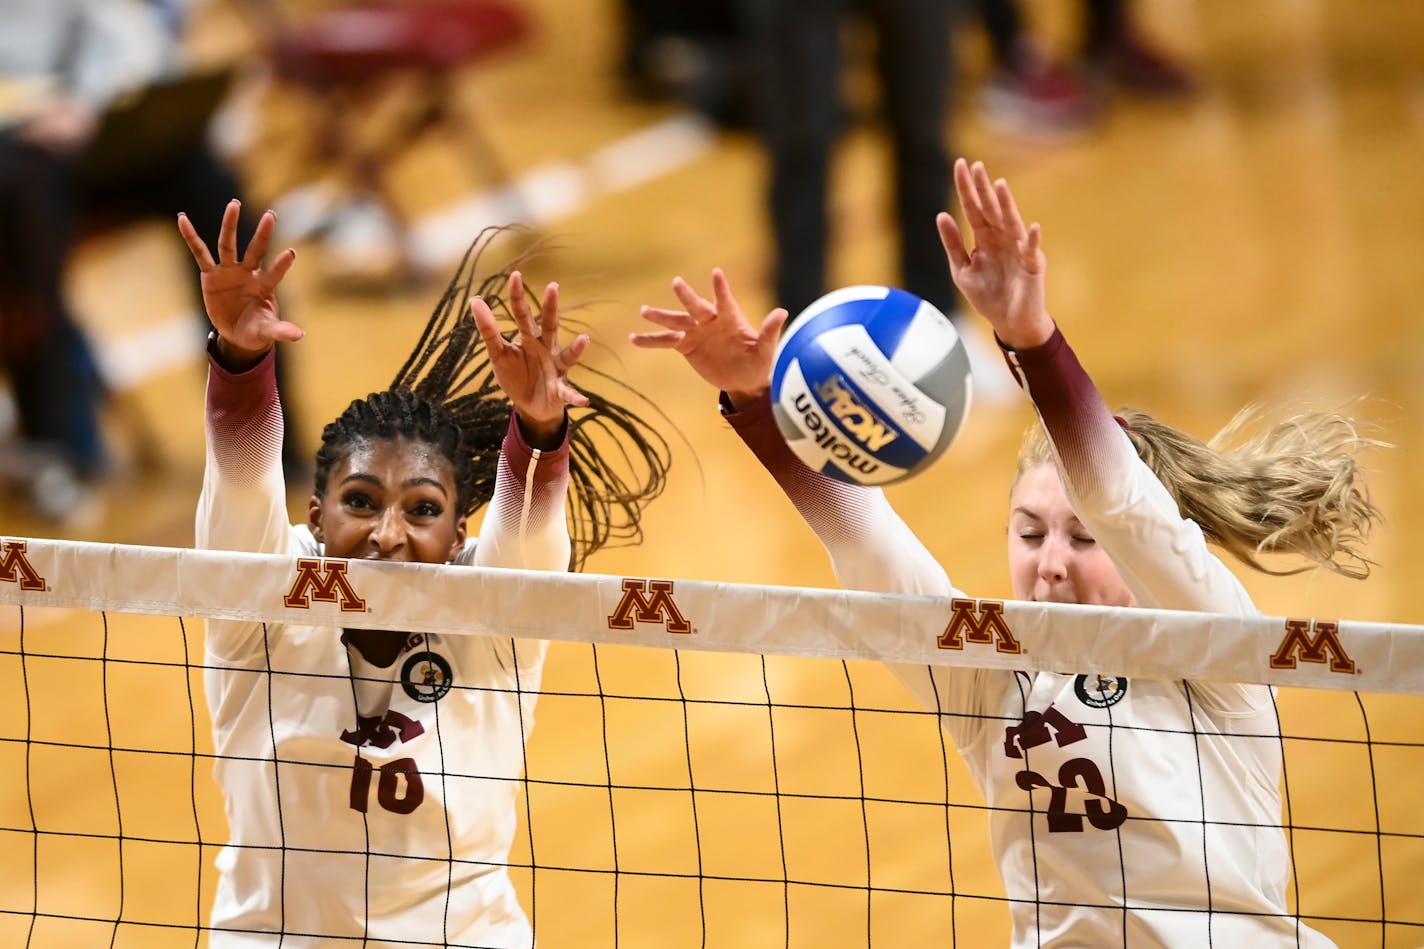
1002, 278
716, 339
532, 368
240, 295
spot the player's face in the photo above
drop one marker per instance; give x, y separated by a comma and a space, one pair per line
1052, 557
389, 499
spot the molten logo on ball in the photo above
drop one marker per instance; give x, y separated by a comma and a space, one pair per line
844, 455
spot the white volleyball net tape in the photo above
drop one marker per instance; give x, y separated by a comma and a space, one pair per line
709, 764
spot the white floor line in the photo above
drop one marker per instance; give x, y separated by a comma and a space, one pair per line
543, 194
558, 189
125, 362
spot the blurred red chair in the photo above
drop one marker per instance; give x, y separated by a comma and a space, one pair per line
339, 54
352, 43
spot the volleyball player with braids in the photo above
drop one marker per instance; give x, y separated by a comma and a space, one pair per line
389, 813
1142, 813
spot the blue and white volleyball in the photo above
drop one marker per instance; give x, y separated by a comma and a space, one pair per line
870, 385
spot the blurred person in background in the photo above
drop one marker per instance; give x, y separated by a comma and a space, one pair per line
777, 66
64, 65
1035, 93
694, 51
187, 171
61, 62
797, 61
798, 52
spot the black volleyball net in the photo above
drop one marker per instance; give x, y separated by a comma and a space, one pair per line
709, 764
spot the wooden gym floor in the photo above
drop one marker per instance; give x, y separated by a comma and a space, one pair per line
1257, 241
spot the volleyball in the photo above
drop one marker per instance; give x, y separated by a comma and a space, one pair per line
870, 385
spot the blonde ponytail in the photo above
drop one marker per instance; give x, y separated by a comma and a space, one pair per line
1293, 486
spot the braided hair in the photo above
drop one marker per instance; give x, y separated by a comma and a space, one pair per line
445, 395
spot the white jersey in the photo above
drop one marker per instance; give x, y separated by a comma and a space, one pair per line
390, 810
1138, 813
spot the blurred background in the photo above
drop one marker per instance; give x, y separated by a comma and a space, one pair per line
1242, 227
1230, 194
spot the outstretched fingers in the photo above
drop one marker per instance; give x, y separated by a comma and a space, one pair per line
968, 194
519, 306
981, 199
669, 319
697, 307
676, 323
285, 332
722, 293
196, 246
1013, 220
572, 396
669, 339
274, 274
771, 326
1031, 249
564, 357
261, 239
530, 355
953, 241
988, 195
568, 357
227, 235
488, 326
549, 315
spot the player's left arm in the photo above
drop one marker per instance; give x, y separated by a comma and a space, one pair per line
524, 528
717, 339
525, 524
1163, 557
1002, 277
870, 546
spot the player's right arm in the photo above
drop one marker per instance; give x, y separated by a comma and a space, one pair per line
525, 528
525, 525
870, 547
1162, 556
243, 501
242, 506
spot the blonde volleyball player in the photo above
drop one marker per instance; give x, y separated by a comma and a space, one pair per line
1124, 813
390, 811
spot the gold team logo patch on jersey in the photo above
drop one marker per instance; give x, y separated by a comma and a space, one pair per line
1312, 641
15, 567
1100, 691
427, 677
648, 601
